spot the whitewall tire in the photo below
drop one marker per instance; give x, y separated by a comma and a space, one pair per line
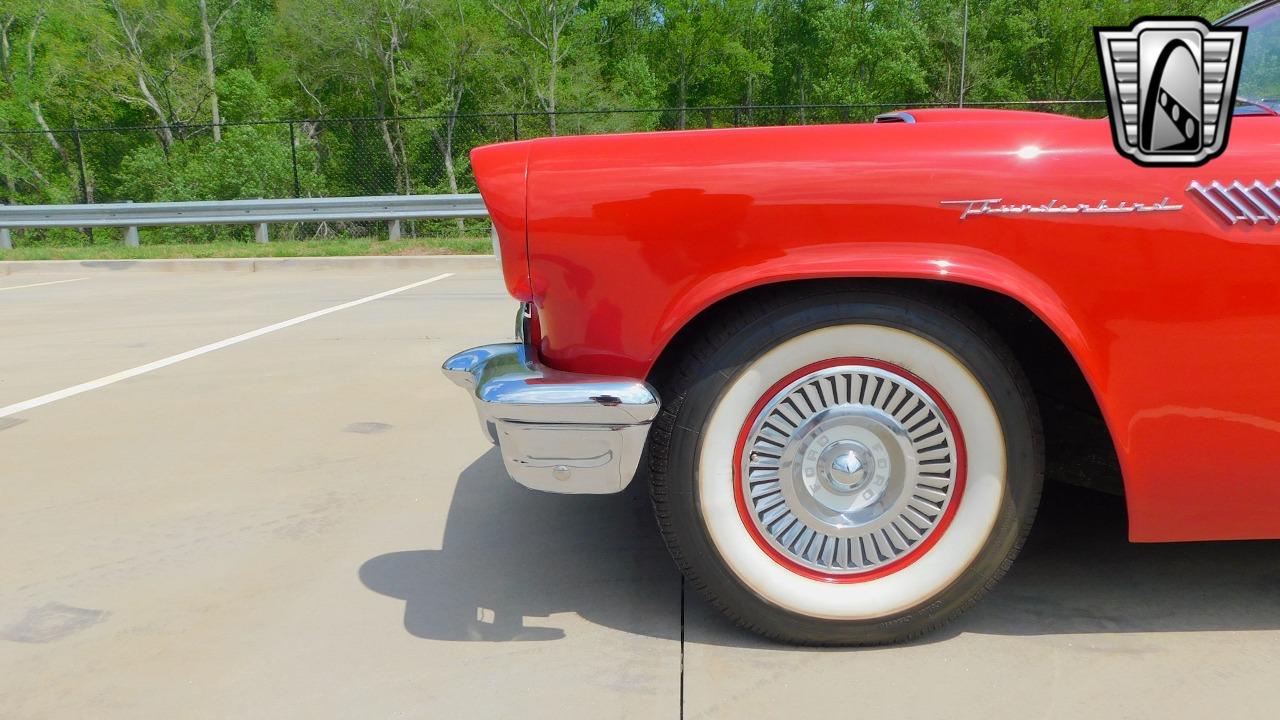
845, 467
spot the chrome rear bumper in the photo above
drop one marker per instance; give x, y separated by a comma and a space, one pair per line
557, 431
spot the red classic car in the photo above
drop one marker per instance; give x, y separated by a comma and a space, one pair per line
843, 357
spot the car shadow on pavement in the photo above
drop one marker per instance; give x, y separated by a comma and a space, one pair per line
512, 558
1078, 573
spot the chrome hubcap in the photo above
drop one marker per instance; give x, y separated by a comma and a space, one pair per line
850, 463
848, 469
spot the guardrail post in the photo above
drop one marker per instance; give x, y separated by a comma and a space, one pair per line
6, 242
131, 234
260, 233
393, 230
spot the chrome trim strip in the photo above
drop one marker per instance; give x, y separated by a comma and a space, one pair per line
896, 117
1211, 198
524, 317
1246, 11
557, 431
1241, 208
1267, 211
1254, 203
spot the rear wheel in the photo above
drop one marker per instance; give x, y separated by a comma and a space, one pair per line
846, 468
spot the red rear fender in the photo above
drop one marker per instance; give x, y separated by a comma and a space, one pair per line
501, 173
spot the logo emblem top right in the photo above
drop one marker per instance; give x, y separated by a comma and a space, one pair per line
1171, 88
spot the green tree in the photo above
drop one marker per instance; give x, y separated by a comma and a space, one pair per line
552, 52
50, 62
176, 66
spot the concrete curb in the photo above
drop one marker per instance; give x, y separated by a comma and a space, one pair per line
424, 263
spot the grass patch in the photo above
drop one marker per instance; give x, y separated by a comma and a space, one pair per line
333, 247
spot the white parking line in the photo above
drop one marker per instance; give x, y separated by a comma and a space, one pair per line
51, 282
173, 359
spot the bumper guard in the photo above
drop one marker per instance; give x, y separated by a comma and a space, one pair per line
557, 431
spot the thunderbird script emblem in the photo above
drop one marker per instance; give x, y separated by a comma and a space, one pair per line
1171, 88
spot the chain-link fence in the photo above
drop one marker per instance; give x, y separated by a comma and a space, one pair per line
329, 157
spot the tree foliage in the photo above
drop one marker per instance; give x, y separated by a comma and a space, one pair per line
173, 65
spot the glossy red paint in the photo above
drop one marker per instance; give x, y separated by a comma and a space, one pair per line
1173, 317
982, 115
887, 569
500, 173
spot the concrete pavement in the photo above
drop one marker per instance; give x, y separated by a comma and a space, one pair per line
309, 524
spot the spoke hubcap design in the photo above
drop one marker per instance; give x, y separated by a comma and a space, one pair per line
848, 469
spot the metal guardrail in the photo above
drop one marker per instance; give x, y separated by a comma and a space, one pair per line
259, 213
